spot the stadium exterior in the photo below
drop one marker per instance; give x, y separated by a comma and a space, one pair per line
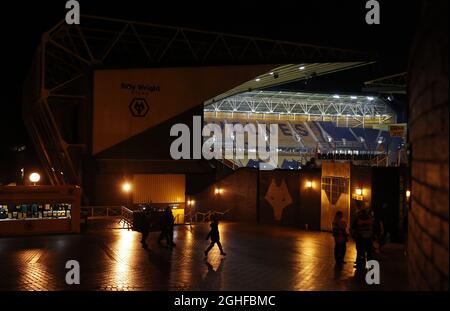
135, 80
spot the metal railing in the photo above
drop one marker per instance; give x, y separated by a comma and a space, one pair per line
126, 218
206, 216
95, 211
125, 214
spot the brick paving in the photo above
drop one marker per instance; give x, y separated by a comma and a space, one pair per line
259, 258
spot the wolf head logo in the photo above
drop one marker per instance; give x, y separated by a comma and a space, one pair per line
278, 197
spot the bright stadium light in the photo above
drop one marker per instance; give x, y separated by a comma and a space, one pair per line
301, 67
336, 96
353, 97
257, 79
369, 97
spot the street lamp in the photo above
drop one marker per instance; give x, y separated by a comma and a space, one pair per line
309, 184
127, 187
35, 178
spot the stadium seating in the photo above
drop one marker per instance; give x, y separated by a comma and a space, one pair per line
337, 133
310, 137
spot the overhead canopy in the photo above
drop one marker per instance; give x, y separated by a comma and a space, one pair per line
273, 102
288, 73
390, 84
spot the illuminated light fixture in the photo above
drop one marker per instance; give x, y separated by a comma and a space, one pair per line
408, 194
301, 67
309, 184
257, 79
358, 191
126, 187
370, 98
353, 97
336, 96
35, 178
271, 73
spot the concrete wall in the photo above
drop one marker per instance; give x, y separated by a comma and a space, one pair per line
282, 197
309, 215
428, 116
279, 197
361, 178
238, 194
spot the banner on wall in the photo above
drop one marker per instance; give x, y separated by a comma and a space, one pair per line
128, 101
397, 130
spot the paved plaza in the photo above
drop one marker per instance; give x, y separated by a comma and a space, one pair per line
259, 257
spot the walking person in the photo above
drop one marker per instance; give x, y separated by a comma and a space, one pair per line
166, 223
362, 231
214, 235
145, 227
340, 238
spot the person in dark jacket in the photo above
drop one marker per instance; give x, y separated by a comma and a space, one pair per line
145, 228
166, 223
362, 231
214, 235
340, 238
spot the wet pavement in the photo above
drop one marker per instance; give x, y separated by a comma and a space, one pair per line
258, 258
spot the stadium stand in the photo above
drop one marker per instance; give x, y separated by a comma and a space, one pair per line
325, 140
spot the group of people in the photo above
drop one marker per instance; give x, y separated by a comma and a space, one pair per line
362, 232
167, 222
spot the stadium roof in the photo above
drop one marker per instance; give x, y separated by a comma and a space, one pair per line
289, 73
279, 102
390, 84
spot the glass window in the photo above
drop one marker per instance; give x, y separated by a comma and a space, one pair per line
35, 211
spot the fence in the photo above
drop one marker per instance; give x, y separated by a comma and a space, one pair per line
98, 211
206, 216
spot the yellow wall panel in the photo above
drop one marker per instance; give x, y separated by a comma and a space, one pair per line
159, 188
168, 92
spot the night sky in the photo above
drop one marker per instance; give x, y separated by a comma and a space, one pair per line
327, 23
